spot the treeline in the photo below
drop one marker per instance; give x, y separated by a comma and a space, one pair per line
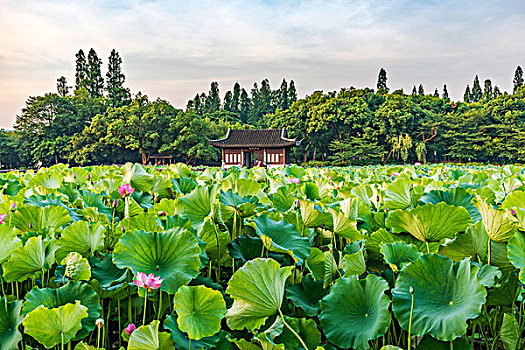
99, 121
363, 126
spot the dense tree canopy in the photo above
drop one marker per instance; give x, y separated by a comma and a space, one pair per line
100, 122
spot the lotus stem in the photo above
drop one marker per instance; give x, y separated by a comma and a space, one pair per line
488, 252
160, 305
291, 330
62, 342
428, 247
411, 314
145, 305
119, 322
189, 345
98, 338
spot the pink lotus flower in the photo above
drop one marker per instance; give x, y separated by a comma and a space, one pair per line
125, 190
513, 212
2, 218
417, 164
130, 329
148, 281
294, 180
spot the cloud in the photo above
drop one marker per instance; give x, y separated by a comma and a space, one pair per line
174, 49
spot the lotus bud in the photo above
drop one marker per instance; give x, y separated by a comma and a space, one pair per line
130, 329
89, 176
74, 175
298, 203
2, 218
411, 290
162, 213
115, 203
513, 212
99, 323
13, 206
123, 229
31, 225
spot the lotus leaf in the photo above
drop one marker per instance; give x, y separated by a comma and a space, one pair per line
35, 219
516, 252
34, 257
446, 295
9, 241
399, 254
82, 238
137, 177
10, 319
55, 326
355, 311
173, 255
200, 311
195, 206
498, 225
76, 267
149, 338
257, 290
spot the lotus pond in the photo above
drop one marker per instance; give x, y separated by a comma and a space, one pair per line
414, 257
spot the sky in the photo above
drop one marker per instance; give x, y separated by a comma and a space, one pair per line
174, 49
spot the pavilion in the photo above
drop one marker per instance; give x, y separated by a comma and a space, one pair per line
252, 147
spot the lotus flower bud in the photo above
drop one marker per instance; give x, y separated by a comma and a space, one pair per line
89, 176
99, 323
31, 225
13, 206
130, 329
123, 229
411, 290
115, 203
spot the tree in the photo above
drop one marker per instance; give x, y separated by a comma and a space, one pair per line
283, 95
94, 80
80, 70
62, 88
292, 93
117, 94
476, 93
236, 98
445, 92
228, 99
436, 93
414, 91
213, 101
421, 90
466, 95
381, 81
518, 79
497, 91
244, 106
488, 93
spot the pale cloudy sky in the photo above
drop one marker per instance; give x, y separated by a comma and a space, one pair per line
174, 49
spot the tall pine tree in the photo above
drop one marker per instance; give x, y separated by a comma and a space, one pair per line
381, 81
518, 79
80, 70
213, 101
466, 95
292, 93
228, 98
283, 95
476, 94
445, 92
488, 93
236, 98
117, 94
421, 90
244, 106
94, 80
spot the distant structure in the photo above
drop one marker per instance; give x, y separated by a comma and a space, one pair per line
255, 147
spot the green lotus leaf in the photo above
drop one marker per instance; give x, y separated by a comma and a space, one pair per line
311, 191
35, 219
295, 171
200, 311
246, 247
282, 199
430, 222
280, 236
162, 186
30, 260
76, 267
331, 271
456, 196
429, 343
399, 254
182, 341
181, 169
307, 330
516, 251
498, 225
216, 240
84, 346
391, 347
70, 293
9, 241
149, 338
322, 265
195, 206
516, 202
354, 264
345, 227
257, 290
144, 222
506, 293
355, 311
10, 319
107, 274
472, 244
397, 194
184, 185
313, 217
488, 275
382, 236
55, 326
173, 255
446, 295
307, 295
509, 332
46, 179
94, 200
137, 177
82, 238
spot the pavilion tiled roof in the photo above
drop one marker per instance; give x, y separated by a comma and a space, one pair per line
254, 138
